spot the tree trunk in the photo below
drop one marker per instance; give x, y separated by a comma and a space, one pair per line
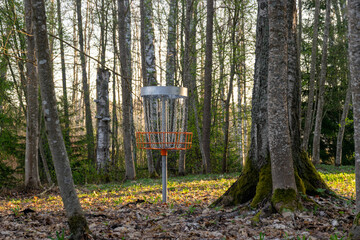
171, 44
207, 84
63, 72
42, 152
354, 61
187, 74
310, 102
148, 61
77, 222
86, 91
227, 102
320, 104
255, 182
126, 88
103, 120
32, 178
340, 136
282, 169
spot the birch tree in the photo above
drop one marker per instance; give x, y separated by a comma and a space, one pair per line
32, 179
76, 219
354, 62
103, 120
148, 60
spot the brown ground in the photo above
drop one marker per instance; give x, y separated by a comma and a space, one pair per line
321, 219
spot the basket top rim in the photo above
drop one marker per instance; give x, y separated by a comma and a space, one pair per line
164, 91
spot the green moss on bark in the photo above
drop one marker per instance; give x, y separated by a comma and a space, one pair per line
309, 175
78, 227
354, 232
300, 183
285, 199
264, 186
243, 190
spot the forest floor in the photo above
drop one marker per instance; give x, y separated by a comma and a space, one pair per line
133, 210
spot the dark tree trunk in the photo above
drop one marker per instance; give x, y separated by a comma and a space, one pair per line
32, 179
207, 83
354, 61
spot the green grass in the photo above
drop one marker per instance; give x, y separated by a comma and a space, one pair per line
340, 179
191, 190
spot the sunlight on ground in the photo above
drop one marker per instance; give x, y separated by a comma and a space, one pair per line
185, 191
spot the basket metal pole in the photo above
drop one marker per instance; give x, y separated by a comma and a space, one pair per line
164, 153
164, 178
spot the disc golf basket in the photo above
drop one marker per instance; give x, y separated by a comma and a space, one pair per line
164, 111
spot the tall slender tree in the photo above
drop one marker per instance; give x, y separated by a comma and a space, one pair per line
340, 136
126, 76
208, 83
234, 51
76, 219
171, 44
86, 90
63, 74
320, 101
310, 102
32, 179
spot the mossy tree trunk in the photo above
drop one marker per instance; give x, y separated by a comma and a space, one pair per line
255, 182
354, 61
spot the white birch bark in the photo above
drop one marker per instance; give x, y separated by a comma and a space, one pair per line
148, 60
103, 120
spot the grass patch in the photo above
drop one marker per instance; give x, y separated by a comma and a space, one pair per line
187, 191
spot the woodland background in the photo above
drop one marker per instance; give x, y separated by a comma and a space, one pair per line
173, 54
